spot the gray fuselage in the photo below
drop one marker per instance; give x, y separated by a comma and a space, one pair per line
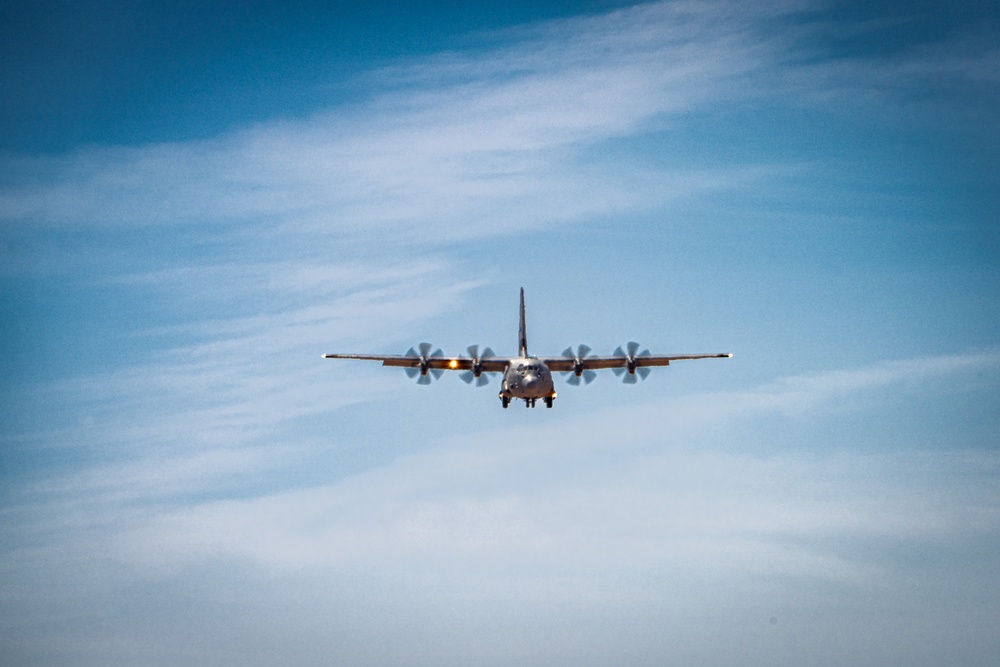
527, 377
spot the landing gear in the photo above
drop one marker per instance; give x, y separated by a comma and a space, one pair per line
528, 402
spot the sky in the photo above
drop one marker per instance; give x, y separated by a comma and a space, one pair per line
197, 202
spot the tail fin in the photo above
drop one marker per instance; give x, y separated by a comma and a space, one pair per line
522, 336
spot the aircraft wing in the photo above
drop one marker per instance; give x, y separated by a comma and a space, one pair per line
563, 364
488, 365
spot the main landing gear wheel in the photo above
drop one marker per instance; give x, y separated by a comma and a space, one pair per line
505, 401
548, 401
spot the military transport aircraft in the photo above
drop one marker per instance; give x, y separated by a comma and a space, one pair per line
524, 377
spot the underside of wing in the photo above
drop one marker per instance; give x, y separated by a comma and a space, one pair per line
400, 360
492, 365
425, 365
561, 364
628, 363
648, 360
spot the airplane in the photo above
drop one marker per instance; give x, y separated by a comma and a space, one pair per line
525, 377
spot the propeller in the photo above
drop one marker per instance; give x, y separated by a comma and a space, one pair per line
424, 354
477, 367
578, 373
630, 357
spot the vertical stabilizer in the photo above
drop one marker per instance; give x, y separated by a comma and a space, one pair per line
522, 336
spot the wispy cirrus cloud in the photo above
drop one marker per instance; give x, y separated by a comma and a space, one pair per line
417, 497
466, 145
475, 144
660, 521
219, 452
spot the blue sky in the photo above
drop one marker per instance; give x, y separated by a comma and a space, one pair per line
197, 203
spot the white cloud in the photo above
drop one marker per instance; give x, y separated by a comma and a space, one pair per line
649, 521
605, 485
179, 465
467, 147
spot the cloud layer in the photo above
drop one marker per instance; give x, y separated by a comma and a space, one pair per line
647, 512
468, 145
214, 489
